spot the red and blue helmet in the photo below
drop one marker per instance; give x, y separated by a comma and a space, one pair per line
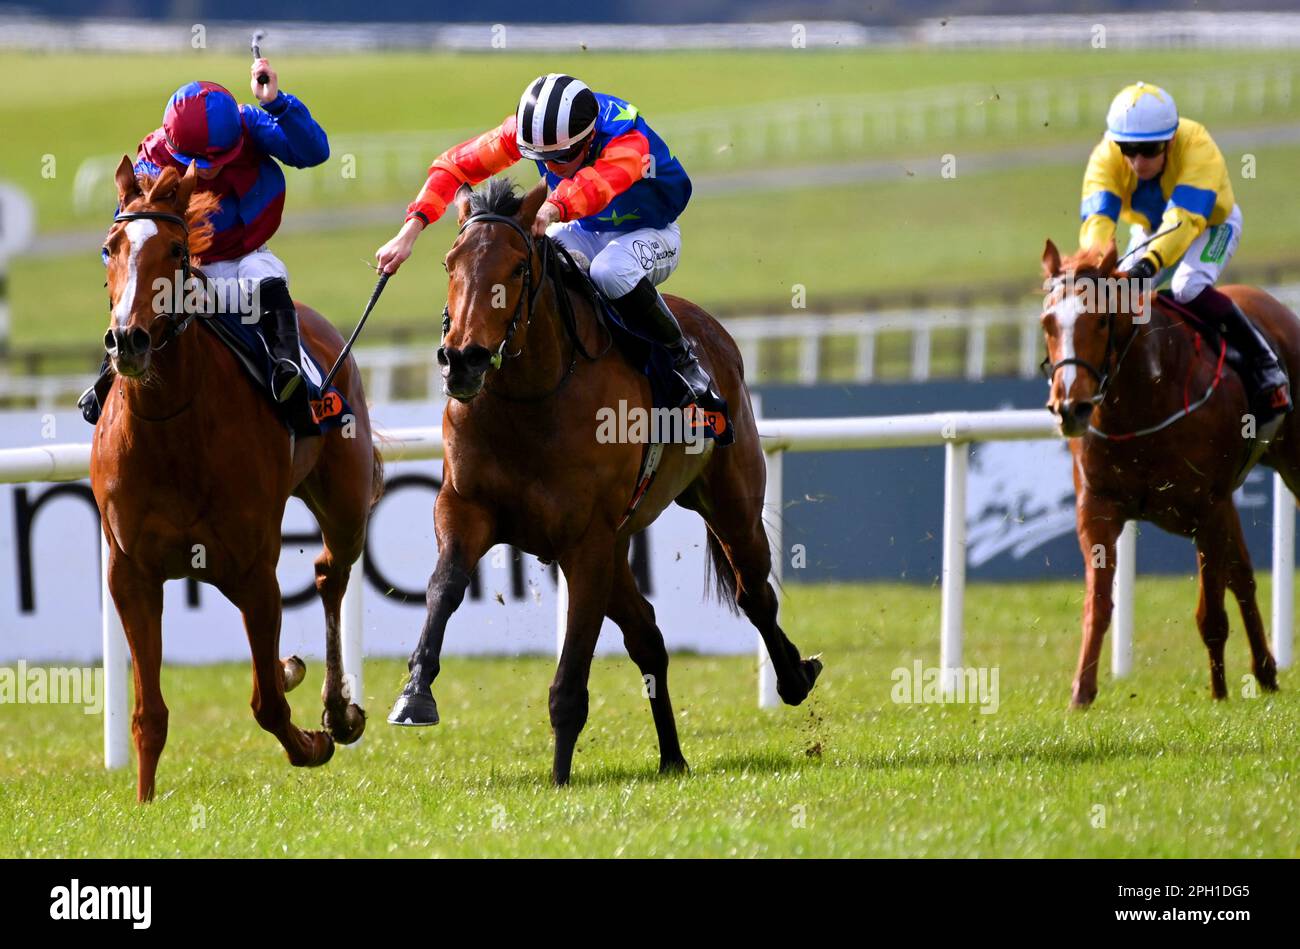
203, 125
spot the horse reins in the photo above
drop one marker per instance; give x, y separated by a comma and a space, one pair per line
176, 325
530, 291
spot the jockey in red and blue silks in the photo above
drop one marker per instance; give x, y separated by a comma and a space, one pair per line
235, 149
616, 194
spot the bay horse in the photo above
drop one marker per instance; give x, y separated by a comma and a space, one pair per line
191, 469
523, 466
1158, 432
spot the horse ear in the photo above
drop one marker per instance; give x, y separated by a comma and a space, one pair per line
462, 203
1051, 260
532, 203
128, 185
165, 187
185, 188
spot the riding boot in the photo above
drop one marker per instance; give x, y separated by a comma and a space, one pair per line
279, 326
92, 400
1269, 394
646, 310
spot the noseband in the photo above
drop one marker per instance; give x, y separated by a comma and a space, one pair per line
176, 325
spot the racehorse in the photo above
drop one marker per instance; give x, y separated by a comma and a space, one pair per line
1159, 431
523, 466
191, 469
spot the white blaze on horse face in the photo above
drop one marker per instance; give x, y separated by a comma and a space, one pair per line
1067, 317
137, 233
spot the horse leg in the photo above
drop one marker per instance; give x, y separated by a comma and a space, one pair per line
344, 532
589, 572
1241, 581
465, 533
635, 616
1218, 540
258, 598
139, 602
736, 534
344, 719
1099, 525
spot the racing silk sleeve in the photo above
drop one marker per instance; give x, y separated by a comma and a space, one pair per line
284, 129
1102, 187
618, 168
1201, 175
469, 163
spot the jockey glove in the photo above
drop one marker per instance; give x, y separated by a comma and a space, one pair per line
1144, 269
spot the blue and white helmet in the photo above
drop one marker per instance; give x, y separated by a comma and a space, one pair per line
1142, 113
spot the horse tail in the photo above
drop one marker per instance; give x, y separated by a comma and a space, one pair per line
724, 578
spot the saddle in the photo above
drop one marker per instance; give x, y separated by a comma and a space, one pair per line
667, 390
1234, 360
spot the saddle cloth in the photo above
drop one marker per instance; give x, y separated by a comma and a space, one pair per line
329, 409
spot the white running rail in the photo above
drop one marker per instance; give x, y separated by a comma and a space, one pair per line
954, 430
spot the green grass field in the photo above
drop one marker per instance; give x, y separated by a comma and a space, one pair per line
1166, 770
743, 251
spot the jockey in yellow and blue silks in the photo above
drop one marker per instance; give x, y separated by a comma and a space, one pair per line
1163, 175
616, 191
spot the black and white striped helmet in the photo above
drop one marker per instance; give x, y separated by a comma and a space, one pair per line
556, 114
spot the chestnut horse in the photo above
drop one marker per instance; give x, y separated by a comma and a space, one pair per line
1127, 393
524, 467
191, 470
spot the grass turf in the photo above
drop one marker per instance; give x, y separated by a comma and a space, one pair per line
1161, 767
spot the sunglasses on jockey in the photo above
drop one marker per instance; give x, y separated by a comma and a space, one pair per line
566, 156
1143, 149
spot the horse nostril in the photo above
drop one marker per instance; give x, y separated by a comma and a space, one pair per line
110, 342
139, 340
442, 357
1082, 411
477, 358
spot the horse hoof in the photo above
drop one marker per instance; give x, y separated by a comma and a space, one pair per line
811, 669
320, 750
295, 670
414, 709
1081, 703
350, 729
674, 766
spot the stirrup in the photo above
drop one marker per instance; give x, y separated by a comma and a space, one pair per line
285, 393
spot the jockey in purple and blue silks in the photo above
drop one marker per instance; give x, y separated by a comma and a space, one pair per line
235, 149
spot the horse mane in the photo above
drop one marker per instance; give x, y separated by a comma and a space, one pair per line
1084, 259
198, 214
497, 197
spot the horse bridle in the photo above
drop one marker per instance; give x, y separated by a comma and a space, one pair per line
1105, 374
530, 292
176, 325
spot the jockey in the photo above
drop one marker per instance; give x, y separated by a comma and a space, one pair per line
234, 148
1164, 175
616, 194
